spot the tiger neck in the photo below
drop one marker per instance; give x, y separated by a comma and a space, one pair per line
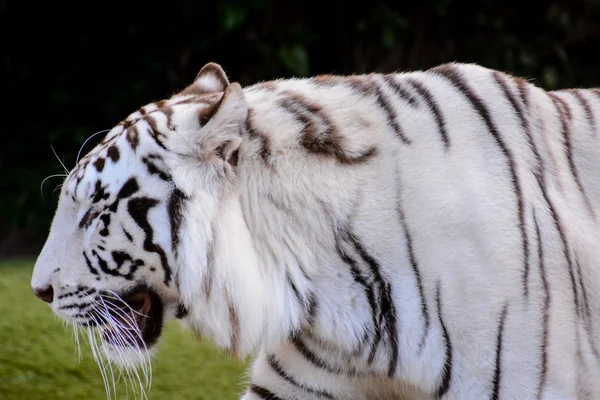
285, 230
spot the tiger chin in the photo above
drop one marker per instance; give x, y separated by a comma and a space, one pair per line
419, 235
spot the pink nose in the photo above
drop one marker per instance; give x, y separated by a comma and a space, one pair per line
44, 293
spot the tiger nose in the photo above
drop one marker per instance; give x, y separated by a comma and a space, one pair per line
44, 293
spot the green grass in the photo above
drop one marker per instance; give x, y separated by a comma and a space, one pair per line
38, 356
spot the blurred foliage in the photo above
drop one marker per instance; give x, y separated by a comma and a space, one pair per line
71, 69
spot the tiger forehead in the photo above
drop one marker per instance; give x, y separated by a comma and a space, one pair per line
128, 128
166, 107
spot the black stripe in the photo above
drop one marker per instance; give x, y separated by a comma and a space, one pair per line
151, 120
434, 108
205, 114
319, 134
113, 153
565, 117
447, 369
316, 360
138, 208
99, 164
312, 308
104, 267
312, 357
86, 316
400, 91
154, 132
133, 137
100, 192
161, 107
587, 314
595, 92
284, 375
540, 177
498, 369
105, 219
370, 88
559, 228
367, 258
120, 257
127, 235
392, 330
75, 305
81, 292
545, 311
265, 140
175, 210
87, 218
87, 292
89, 265
128, 189
182, 311
127, 123
525, 126
390, 114
369, 292
263, 393
589, 114
154, 170
294, 289
585, 304
417, 272
457, 80
387, 309
167, 110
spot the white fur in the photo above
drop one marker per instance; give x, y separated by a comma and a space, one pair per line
251, 229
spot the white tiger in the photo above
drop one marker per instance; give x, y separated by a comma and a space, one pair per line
422, 235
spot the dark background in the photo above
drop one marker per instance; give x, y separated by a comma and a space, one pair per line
70, 70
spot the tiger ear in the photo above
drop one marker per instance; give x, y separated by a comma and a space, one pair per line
211, 78
223, 125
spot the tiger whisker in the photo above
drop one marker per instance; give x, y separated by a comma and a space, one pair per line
146, 365
117, 297
121, 356
49, 177
57, 188
98, 358
59, 160
76, 334
124, 328
87, 140
105, 363
127, 317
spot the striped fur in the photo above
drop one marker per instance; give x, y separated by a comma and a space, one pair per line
422, 235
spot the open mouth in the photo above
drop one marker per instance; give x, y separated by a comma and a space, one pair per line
135, 319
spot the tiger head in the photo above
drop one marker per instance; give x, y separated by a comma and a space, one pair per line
149, 228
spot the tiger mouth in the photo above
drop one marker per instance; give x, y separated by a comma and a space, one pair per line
135, 320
